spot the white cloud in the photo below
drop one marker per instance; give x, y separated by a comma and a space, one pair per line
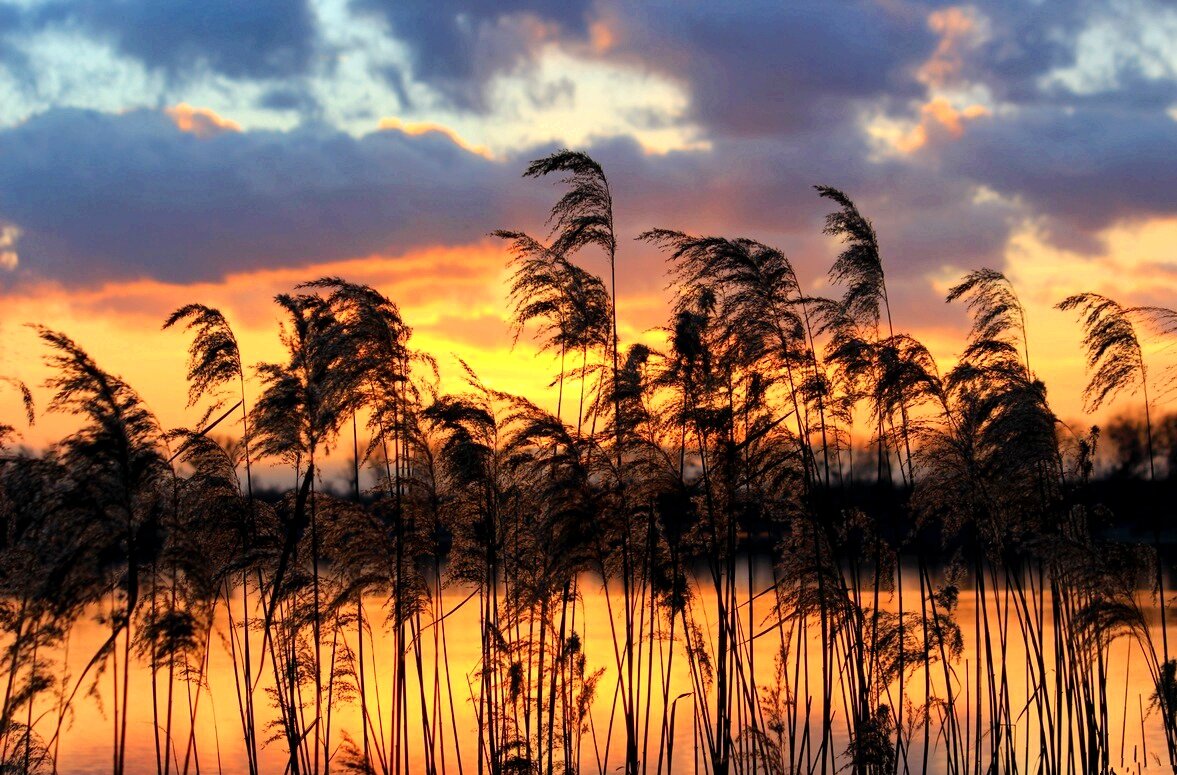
568, 95
1129, 36
65, 67
9, 259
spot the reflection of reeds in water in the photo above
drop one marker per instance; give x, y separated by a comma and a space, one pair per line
779, 591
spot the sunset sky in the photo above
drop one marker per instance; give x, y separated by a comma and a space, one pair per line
156, 152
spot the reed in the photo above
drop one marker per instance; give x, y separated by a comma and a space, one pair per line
776, 529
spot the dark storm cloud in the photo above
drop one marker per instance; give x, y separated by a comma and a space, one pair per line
456, 46
100, 196
107, 197
1018, 45
255, 39
797, 75
1024, 41
772, 67
1085, 168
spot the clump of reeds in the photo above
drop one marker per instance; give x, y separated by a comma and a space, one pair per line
781, 504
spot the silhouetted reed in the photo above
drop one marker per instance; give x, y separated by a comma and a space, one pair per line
814, 551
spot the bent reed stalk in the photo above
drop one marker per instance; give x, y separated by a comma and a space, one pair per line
775, 539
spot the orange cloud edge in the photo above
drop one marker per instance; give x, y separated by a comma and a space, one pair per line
455, 299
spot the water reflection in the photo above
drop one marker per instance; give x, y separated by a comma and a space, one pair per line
782, 670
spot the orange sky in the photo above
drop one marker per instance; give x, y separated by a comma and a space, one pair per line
454, 298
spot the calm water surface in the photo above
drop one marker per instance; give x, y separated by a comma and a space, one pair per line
86, 743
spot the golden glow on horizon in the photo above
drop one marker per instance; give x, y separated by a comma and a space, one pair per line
1134, 268
454, 298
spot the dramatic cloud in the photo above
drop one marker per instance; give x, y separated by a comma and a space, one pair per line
186, 196
770, 67
101, 196
1084, 168
258, 39
456, 46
